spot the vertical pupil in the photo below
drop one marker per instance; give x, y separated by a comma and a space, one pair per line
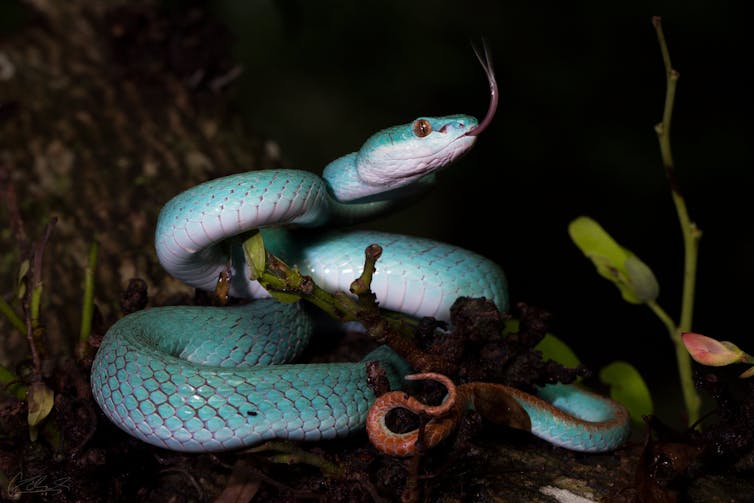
422, 128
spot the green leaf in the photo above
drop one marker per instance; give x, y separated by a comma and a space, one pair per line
555, 349
628, 387
551, 347
643, 282
256, 255
11, 383
634, 279
23, 270
40, 400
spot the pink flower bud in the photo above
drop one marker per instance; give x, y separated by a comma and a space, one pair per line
708, 351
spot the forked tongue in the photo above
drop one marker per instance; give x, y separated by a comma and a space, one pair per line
486, 61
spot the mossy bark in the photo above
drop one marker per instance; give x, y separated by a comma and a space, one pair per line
108, 110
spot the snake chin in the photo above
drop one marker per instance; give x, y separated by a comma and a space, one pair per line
398, 170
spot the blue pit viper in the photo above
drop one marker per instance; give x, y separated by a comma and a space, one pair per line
200, 379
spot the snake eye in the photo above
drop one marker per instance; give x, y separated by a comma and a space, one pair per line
422, 128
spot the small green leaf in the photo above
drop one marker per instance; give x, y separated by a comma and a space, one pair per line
256, 255
23, 270
555, 349
40, 400
634, 279
11, 383
642, 279
628, 387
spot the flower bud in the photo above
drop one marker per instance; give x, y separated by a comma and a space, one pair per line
709, 351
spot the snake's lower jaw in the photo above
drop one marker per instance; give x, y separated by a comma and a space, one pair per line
399, 172
463, 144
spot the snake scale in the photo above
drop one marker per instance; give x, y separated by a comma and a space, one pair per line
200, 379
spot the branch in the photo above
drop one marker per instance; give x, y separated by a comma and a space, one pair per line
288, 284
691, 234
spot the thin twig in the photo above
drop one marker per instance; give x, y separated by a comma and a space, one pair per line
87, 308
691, 233
30, 339
663, 315
33, 297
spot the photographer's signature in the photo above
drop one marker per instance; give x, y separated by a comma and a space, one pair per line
37, 484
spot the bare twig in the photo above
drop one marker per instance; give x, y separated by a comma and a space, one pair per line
33, 298
87, 308
691, 233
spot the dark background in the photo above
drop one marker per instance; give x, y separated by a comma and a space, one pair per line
581, 89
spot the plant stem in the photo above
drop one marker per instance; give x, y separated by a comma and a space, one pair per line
33, 299
664, 317
683, 361
87, 308
691, 234
36, 302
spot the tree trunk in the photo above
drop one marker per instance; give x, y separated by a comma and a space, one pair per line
108, 110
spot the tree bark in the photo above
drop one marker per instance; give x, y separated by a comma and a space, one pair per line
108, 110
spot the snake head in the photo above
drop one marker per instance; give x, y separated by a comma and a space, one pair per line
399, 155
395, 157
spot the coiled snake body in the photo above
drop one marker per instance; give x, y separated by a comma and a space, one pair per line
208, 379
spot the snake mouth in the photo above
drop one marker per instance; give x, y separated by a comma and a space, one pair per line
486, 61
444, 156
436, 159
446, 127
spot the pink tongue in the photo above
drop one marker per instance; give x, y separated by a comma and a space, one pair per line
486, 62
